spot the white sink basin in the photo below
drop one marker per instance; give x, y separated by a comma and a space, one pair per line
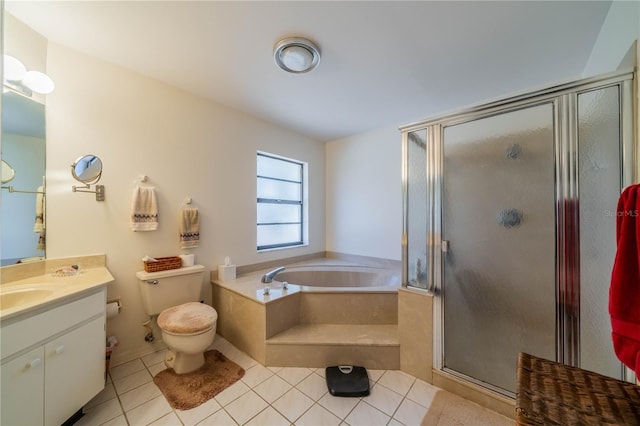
15, 296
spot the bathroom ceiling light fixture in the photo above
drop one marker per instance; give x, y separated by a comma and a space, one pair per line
296, 55
18, 78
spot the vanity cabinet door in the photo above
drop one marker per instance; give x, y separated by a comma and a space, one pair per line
74, 370
22, 383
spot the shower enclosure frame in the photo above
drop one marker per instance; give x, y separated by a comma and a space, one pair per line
565, 134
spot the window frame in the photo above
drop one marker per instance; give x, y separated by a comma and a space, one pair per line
300, 203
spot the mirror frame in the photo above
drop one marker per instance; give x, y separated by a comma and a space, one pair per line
82, 161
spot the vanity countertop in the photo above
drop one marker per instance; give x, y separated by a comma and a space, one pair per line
43, 291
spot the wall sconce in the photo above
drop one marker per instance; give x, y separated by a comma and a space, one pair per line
88, 170
17, 78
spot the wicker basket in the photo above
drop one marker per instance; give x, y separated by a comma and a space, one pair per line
163, 264
549, 393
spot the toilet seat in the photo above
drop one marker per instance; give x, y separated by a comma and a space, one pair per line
188, 318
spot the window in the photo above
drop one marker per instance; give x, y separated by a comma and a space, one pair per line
280, 210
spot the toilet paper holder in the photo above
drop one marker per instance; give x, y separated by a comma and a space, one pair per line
113, 308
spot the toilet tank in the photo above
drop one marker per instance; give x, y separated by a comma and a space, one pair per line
164, 289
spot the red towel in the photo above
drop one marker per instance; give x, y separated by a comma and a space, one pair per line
624, 293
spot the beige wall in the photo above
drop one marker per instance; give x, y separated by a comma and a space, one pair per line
364, 197
187, 146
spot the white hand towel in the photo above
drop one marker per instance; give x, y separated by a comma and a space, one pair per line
144, 209
38, 226
189, 228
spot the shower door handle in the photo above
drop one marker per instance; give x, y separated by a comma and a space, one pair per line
444, 246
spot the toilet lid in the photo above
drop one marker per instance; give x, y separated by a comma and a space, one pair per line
187, 318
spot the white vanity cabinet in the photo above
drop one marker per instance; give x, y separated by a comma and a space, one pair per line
20, 377
53, 360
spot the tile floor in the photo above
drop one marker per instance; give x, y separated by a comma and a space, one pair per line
265, 396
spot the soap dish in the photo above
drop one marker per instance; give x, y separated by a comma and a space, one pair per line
65, 271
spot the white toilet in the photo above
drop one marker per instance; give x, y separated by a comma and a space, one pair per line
188, 326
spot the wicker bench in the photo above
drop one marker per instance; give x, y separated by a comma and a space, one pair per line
549, 393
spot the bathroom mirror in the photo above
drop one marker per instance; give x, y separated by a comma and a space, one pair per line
7, 172
22, 236
87, 169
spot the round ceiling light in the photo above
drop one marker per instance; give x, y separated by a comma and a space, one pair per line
296, 55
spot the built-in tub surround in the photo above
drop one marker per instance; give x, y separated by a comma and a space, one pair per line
305, 326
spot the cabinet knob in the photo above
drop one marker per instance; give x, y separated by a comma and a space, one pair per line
33, 364
60, 349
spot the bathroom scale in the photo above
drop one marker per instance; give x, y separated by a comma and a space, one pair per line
347, 380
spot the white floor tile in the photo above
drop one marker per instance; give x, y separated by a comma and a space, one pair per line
397, 381
219, 418
103, 396
313, 386
232, 393
422, 393
365, 415
256, 375
272, 388
132, 381
239, 357
139, 396
383, 399
341, 407
149, 412
293, 404
155, 358
318, 416
246, 407
126, 369
118, 421
294, 375
374, 375
156, 368
410, 413
269, 417
101, 413
168, 420
199, 413
265, 396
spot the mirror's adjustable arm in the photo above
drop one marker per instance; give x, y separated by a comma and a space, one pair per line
10, 188
85, 188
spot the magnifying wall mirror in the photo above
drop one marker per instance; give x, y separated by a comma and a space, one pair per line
88, 170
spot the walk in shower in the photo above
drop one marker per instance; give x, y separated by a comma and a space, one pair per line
509, 220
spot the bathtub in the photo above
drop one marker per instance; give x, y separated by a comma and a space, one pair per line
333, 277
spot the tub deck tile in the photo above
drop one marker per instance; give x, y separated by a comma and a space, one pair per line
338, 334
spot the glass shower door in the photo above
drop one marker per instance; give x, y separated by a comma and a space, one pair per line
499, 244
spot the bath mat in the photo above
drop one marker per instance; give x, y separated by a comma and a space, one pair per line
186, 391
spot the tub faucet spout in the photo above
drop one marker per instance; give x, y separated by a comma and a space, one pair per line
268, 277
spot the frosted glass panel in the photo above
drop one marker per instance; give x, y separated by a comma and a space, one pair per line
499, 219
269, 235
280, 169
279, 190
599, 171
417, 209
278, 213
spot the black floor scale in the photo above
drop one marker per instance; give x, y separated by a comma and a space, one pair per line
347, 380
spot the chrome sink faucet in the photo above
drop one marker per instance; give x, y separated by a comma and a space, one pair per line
268, 277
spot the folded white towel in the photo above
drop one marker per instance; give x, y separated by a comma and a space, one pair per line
189, 228
144, 209
38, 226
